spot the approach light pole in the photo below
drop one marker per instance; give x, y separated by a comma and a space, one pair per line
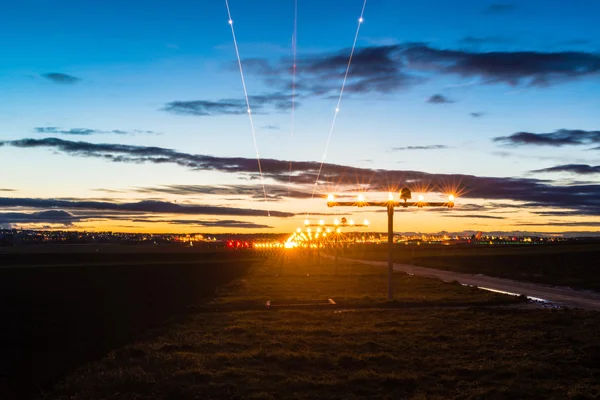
391, 204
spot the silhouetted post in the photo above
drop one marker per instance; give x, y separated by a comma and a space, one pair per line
405, 195
390, 213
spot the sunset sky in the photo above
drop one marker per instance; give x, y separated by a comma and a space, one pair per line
130, 116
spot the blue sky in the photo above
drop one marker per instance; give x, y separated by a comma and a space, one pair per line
118, 66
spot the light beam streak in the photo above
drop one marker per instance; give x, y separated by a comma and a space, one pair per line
294, 36
237, 53
337, 108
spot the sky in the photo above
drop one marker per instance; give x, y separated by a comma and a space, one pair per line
131, 116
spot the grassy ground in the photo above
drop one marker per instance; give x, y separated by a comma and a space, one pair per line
421, 353
73, 310
289, 278
577, 266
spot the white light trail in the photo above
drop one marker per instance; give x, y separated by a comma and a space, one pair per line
337, 108
294, 36
237, 53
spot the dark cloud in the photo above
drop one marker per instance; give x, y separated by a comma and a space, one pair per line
270, 127
60, 78
439, 99
581, 169
373, 69
481, 216
500, 8
258, 104
477, 114
565, 224
227, 223
561, 137
85, 131
148, 206
390, 68
66, 218
535, 192
275, 192
7, 190
430, 147
50, 216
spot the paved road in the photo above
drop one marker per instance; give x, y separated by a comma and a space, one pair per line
560, 295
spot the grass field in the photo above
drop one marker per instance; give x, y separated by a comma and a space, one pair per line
576, 266
59, 311
430, 351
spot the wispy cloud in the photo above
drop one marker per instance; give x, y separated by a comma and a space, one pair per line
60, 78
478, 114
429, 147
580, 169
271, 127
561, 137
88, 131
259, 104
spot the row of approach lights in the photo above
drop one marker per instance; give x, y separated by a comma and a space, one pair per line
337, 223
405, 195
